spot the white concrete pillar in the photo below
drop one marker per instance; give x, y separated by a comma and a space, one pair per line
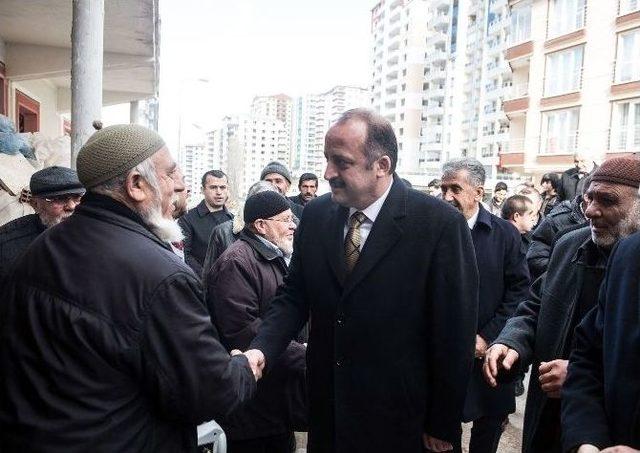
134, 107
86, 70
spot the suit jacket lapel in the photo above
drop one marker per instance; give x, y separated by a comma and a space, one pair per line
383, 236
334, 241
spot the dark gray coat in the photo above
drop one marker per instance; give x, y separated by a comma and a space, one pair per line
390, 344
540, 328
15, 237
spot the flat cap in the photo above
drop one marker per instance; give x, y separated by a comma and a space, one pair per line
114, 150
54, 181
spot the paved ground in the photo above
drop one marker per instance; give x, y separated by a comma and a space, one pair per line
509, 443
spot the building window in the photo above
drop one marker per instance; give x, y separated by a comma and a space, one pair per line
520, 29
624, 135
565, 16
560, 131
628, 6
563, 72
628, 56
27, 113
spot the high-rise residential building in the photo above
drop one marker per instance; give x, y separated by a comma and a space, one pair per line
576, 82
244, 145
398, 90
278, 107
196, 160
313, 114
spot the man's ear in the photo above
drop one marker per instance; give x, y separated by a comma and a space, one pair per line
137, 187
259, 227
384, 164
479, 193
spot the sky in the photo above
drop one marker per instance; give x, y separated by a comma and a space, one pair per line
216, 55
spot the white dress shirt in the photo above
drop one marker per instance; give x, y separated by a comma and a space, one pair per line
474, 218
371, 213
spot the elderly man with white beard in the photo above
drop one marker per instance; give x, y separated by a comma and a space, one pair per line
239, 290
106, 343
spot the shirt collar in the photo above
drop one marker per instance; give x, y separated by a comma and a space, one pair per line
590, 255
474, 218
203, 209
372, 211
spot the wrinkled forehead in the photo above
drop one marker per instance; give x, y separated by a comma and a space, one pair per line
460, 177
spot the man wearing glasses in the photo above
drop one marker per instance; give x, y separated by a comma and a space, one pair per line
55, 193
240, 287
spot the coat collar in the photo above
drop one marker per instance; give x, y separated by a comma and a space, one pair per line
383, 236
590, 255
484, 218
112, 211
262, 249
202, 209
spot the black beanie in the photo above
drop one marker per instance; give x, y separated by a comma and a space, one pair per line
264, 205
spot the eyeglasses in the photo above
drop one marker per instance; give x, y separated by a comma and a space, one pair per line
64, 199
290, 219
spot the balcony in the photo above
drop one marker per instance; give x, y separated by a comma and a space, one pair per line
441, 4
496, 69
560, 144
434, 109
439, 21
436, 38
496, 26
436, 74
436, 92
436, 56
516, 91
628, 6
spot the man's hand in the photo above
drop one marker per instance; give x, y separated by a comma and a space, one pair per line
481, 347
256, 361
620, 449
498, 356
552, 376
588, 448
437, 445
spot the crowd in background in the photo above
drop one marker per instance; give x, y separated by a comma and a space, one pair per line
377, 317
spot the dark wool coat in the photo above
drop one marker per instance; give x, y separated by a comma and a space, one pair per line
563, 216
240, 287
540, 328
601, 396
571, 184
106, 343
391, 344
504, 282
15, 237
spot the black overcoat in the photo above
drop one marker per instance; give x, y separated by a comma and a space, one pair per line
391, 345
504, 282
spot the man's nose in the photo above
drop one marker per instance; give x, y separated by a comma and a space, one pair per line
329, 172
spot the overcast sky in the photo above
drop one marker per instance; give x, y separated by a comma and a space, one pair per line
217, 55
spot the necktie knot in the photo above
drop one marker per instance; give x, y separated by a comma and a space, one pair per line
357, 219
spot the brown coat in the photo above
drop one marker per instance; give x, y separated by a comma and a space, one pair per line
240, 286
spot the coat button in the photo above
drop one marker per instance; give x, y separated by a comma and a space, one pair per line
338, 363
340, 322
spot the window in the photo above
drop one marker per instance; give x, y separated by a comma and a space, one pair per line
625, 126
520, 25
560, 131
563, 72
628, 6
565, 16
628, 57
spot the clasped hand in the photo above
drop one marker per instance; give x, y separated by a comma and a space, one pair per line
256, 360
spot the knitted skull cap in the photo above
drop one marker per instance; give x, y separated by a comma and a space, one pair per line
623, 170
115, 150
264, 205
276, 167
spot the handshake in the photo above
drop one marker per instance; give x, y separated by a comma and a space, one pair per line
255, 358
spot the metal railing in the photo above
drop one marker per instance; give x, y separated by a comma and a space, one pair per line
628, 6
560, 144
581, 20
624, 139
569, 82
516, 91
626, 70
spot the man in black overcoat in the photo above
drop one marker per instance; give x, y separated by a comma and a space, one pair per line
504, 282
387, 277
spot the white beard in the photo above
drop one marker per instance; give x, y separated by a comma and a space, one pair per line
167, 230
285, 245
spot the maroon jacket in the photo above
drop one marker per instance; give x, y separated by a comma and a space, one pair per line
240, 286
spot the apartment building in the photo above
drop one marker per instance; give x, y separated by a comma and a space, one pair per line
576, 82
313, 114
278, 107
243, 145
399, 53
196, 160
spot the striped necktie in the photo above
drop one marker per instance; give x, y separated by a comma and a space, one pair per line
352, 240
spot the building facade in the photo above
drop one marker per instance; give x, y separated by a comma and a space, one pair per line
576, 82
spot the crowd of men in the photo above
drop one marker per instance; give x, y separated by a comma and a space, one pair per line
378, 318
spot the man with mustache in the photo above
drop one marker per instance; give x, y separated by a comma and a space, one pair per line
106, 343
504, 281
240, 287
541, 332
198, 223
55, 193
308, 186
386, 277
